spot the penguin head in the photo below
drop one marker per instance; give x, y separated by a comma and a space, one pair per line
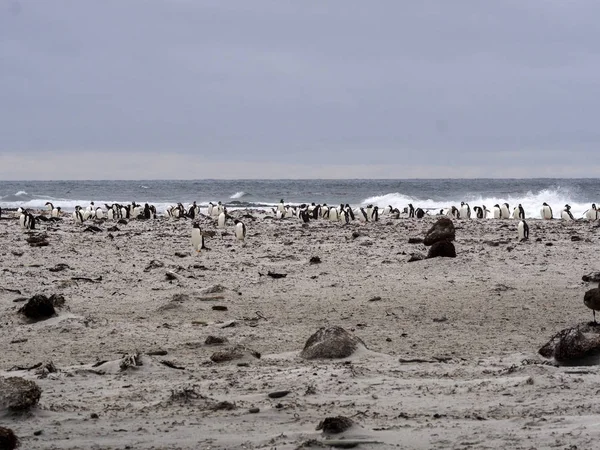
196, 225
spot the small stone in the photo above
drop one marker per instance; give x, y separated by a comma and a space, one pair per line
38, 432
415, 240
233, 353
315, 260
278, 394
216, 340
8, 439
94, 416
331, 343
254, 410
219, 308
335, 425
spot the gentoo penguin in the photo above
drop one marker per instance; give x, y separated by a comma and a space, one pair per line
411, 211
324, 211
316, 211
344, 217
222, 218
505, 210
592, 213
363, 216
369, 211
209, 211
497, 212
99, 213
465, 210
304, 215
193, 211
419, 213
77, 215
333, 215
546, 211
388, 209
591, 299
239, 230
22, 218
197, 237
566, 213
453, 212
523, 230
519, 212
147, 211
478, 212
281, 206
375, 214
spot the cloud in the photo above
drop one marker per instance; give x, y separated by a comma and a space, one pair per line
283, 84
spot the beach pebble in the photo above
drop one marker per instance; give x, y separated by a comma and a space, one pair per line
416, 257
254, 410
442, 230
40, 307
215, 340
278, 394
331, 342
234, 353
335, 425
18, 394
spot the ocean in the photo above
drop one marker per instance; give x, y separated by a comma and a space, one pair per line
428, 194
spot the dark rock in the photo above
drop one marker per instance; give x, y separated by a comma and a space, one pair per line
549, 244
254, 410
415, 240
93, 416
223, 406
593, 277
278, 394
416, 257
18, 394
59, 267
122, 221
442, 230
315, 260
154, 264
182, 254
234, 353
219, 308
171, 276
355, 234
113, 229
335, 425
442, 248
40, 307
216, 340
493, 243
576, 238
331, 342
8, 439
579, 345
92, 228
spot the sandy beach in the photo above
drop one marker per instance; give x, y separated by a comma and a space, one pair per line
451, 358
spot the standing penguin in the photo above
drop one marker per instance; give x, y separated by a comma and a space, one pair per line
99, 214
478, 212
465, 210
566, 213
375, 214
419, 213
411, 211
523, 230
519, 212
197, 237
349, 212
593, 213
546, 211
77, 215
222, 218
497, 212
239, 230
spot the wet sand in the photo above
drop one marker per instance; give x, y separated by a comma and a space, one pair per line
452, 343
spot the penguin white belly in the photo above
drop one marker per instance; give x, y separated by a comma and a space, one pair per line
515, 214
497, 213
333, 215
196, 239
239, 232
546, 213
504, 212
564, 215
221, 220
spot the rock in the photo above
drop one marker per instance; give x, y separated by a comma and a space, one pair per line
331, 342
415, 240
314, 260
40, 307
335, 425
18, 394
592, 277
154, 264
8, 439
171, 276
416, 257
219, 308
215, 340
442, 230
216, 289
442, 248
278, 394
234, 353
575, 238
254, 410
576, 345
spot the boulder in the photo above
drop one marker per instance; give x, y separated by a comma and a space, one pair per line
591, 277
40, 307
8, 439
442, 248
442, 230
579, 345
18, 394
238, 352
331, 343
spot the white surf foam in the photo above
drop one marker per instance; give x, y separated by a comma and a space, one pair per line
239, 194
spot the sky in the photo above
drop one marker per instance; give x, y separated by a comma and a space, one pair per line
190, 89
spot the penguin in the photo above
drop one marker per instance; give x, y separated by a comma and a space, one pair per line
333, 214
453, 212
387, 210
523, 230
411, 211
324, 211
222, 218
349, 212
419, 213
77, 215
192, 211
281, 206
197, 237
519, 212
546, 211
369, 211
147, 211
304, 215
99, 213
465, 210
316, 211
478, 212
278, 214
497, 212
375, 214
592, 213
22, 218
566, 213
220, 208
344, 217
209, 211
363, 216
239, 230
505, 210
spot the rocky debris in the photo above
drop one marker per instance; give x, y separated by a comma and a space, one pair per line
219, 308
576, 238
216, 289
416, 257
335, 425
171, 276
216, 340
59, 267
330, 343
92, 228
8, 439
415, 240
40, 307
130, 360
575, 345
113, 229
442, 230
122, 221
18, 394
315, 260
154, 264
38, 240
223, 406
442, 248
234, 353
593, 277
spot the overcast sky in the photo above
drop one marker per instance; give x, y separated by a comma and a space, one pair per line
109, 89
